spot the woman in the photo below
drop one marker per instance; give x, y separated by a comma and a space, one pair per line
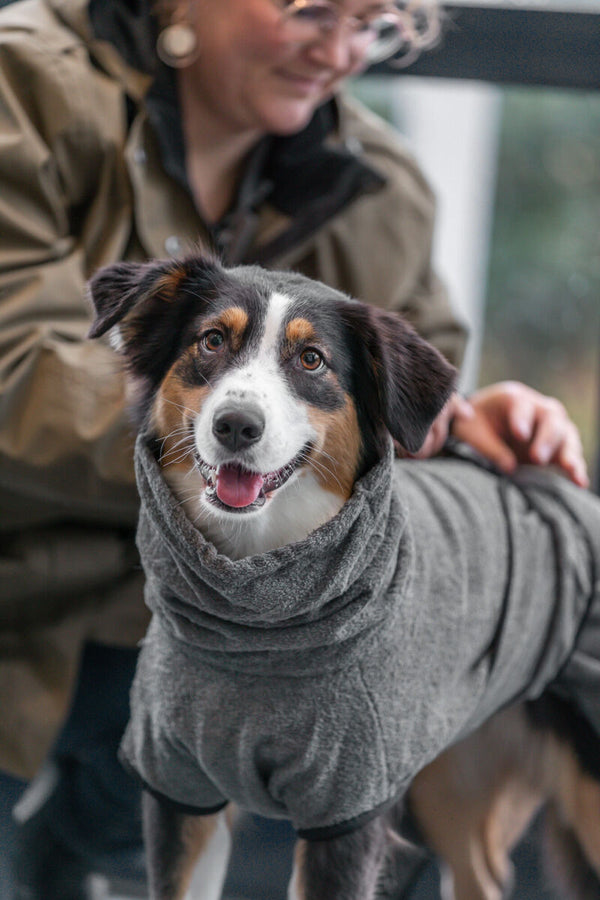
131, 131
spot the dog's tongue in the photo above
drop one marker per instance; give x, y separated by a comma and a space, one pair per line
237, 488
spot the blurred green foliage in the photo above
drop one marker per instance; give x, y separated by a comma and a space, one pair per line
542, 315
543, 297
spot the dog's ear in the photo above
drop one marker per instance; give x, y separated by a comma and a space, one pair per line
118, 289
402, 381
145, 305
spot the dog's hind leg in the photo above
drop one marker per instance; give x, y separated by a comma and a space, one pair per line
566, 861
341, 868
572, 829
186, 855
473, 803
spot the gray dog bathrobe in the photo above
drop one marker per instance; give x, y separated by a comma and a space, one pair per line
314, 681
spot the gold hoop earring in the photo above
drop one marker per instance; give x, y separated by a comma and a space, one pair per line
177, 44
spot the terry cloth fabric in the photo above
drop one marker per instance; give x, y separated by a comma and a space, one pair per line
314, 681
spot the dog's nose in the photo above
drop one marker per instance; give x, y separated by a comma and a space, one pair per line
237, 428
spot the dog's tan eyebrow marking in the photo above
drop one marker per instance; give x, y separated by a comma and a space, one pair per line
299, 331
235, 318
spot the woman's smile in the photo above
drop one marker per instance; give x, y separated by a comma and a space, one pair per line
305, 83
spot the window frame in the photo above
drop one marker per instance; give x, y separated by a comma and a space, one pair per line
512, 45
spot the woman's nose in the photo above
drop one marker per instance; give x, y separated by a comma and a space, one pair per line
334, 49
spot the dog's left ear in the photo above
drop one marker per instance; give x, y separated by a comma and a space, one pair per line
403, 382
145, 305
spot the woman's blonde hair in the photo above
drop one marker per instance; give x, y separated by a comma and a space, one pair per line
422, 28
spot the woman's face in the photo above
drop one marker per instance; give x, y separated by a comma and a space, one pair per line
253, 78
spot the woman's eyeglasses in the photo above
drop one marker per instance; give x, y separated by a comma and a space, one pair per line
375, 36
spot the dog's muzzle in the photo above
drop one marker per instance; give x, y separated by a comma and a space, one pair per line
235, 488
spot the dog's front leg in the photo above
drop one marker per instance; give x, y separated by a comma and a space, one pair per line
340, 868
186, 856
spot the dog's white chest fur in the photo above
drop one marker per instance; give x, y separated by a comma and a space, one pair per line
300, 507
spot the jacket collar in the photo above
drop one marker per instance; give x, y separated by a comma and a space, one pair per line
307, 178
130, 27
77, 15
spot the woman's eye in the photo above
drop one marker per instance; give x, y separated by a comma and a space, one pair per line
363, 26
311, 359
212, 340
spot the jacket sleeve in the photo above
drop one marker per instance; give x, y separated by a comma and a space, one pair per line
65, 441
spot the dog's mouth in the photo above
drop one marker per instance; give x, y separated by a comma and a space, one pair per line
233, 487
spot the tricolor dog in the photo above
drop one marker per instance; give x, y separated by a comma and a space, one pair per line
339, 637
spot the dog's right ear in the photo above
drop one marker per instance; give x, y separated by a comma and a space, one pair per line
144, 307
403, 382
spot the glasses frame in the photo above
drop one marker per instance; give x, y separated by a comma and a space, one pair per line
380, 50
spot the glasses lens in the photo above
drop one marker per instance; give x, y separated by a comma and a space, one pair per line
308, 19
376, 39
386, 37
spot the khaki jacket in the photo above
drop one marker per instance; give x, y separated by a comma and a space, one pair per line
83, 184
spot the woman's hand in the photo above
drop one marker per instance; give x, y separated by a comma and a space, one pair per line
438, 433
510, 423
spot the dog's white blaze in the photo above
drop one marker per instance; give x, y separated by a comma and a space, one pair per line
278, 306
259, 383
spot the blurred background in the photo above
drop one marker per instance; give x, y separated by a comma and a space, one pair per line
504, 117
542, 293
511, 146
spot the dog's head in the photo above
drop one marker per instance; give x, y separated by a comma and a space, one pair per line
254, 378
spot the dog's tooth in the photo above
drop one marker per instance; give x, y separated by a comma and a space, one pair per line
208, 473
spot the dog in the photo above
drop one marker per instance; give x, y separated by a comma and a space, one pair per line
427, 685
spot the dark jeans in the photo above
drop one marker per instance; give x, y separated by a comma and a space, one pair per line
10, 791
89, 818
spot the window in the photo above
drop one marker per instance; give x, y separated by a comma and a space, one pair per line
507, 125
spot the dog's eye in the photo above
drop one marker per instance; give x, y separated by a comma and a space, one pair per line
311, 359
213, 340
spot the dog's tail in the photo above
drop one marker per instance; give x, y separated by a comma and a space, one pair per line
565, 859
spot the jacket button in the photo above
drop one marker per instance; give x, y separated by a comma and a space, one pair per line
139, 156
353, 145
172, 245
